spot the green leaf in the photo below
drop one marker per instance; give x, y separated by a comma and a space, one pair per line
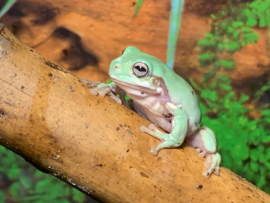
239, 151
228, 99
43, 185
237, 24
213, 16
2, 197
254, 166
205, 59
233, 47
212, 96
203, 108
262, 20
255, 137
208, 35
266, 139
205, 93
222, 13
224, 78
268, 153
242, 120
251, 37
26, 182
227, 161
236, 35
213, 85
252, 125
208, 75
254, 4
266, 112
267, 15
138, 6
194, 84
251, 21
261, 182
220, 47
14, 173
228, 65
206, 44
38, 173
77, 195
230, 29
108, 81
127, 97
226, 87
16, 191
246, 29
243, 98
222, 26
254, 154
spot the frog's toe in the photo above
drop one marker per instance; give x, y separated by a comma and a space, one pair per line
154, 151
212, 164
94, 91
198, 149
152, 127
202, 154
143, 129
113, 96
207, 173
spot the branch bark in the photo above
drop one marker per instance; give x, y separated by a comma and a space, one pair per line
49, 117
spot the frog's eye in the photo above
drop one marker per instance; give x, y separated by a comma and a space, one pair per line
140, 69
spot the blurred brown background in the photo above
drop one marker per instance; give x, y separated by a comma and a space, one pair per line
84, 36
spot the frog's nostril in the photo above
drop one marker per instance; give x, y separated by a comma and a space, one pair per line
115, 67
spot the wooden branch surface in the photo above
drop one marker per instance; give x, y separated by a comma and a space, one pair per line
49, 117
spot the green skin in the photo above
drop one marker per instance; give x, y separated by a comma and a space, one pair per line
166, 99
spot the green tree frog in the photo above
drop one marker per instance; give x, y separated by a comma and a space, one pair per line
166, 99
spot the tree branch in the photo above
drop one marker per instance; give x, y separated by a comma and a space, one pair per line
49, 117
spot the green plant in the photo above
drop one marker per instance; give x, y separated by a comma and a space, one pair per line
231, 30
137, 8
6, 7
21, 182
243, 141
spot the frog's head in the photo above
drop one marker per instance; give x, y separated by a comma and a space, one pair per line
137, 72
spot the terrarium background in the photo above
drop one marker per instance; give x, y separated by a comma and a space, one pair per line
223, 49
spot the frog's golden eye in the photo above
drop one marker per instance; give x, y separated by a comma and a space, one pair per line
140, 69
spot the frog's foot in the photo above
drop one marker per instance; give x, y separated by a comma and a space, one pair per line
205, 143
202, 153
162, 145
152, 130
89, 82
212, 164
168, 140
97, 88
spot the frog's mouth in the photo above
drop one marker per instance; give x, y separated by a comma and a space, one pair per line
131, 88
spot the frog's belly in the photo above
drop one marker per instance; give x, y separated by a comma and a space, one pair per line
164, 123
156, 119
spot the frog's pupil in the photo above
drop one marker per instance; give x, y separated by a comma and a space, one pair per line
140, 68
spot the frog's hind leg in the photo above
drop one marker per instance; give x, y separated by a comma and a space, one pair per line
204, 140
164, 137
177, 135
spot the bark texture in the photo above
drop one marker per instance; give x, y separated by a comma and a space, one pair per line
49, 117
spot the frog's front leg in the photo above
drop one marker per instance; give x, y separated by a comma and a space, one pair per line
177, 135
204, 141
97, 88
